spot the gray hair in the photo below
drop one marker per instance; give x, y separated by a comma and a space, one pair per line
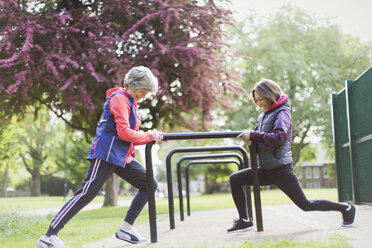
140, 77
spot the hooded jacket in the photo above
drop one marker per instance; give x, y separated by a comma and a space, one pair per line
117, 131
273, 135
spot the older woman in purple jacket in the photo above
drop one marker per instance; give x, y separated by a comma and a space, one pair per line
272, 139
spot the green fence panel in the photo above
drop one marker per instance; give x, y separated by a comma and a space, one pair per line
364, 179
352, 132
361, 121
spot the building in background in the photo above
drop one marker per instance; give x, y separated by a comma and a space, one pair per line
316, 174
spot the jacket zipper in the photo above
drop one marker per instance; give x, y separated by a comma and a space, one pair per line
108, 154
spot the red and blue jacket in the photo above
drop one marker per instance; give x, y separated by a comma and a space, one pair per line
117, 131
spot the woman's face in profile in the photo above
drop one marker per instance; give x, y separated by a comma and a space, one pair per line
139, 94
262, 101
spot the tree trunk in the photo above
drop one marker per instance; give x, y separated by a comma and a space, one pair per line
111, 191
210, 184
35, 183
5, 182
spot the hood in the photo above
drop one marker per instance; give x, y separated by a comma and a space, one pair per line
112, 90
280, 101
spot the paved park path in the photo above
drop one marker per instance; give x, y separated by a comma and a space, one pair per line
208, 229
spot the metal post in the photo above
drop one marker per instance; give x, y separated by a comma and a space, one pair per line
227, 161
151, 193
187, 191
256, 189
180, 194
170, 191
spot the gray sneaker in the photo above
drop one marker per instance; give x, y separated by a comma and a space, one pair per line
52, 241
130, 235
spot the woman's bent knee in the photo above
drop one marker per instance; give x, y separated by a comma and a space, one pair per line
234, 179
306, 205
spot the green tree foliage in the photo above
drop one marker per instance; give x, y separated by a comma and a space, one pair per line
75, 156
37, 141
9, 147
309, 61
215, 174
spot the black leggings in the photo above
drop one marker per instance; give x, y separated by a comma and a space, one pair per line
285, 179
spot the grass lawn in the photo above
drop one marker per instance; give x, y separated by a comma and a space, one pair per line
40, 202
268, 197
24, 231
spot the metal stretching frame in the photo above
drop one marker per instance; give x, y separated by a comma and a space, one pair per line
241, 165
202, 162
197, 149
186, 136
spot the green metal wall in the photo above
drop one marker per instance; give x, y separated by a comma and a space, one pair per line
352, 133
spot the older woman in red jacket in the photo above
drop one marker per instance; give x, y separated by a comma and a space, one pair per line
272, 139
112, 151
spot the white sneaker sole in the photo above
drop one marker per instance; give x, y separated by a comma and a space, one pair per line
128, 237
242, 230
46, 244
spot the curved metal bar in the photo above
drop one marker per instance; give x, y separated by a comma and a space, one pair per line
198, 149
200, 162
201, 135
205, 156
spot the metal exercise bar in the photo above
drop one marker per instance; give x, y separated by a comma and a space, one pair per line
201, 135
256, 188
209, 156
189, 150
202, 162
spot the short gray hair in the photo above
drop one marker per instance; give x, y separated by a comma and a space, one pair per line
140, 77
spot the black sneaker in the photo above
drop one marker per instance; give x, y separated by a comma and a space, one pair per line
241, 225
349, 216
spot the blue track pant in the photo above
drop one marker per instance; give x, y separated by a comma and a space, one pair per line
98, 173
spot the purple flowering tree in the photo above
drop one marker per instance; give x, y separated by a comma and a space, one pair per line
65, 54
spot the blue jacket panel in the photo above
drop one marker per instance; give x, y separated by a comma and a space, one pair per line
106, 144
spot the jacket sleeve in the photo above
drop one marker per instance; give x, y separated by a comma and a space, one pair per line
280, 133
120, 108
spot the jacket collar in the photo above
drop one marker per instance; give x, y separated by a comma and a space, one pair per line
279, 102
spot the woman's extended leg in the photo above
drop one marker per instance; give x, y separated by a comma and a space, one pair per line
286, 180
98, 172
